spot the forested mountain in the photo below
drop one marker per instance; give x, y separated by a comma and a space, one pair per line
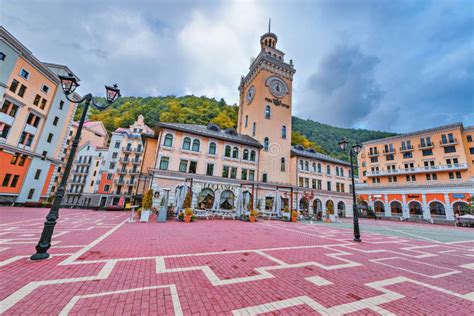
202, 110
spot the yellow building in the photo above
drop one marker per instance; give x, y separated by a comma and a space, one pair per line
427, 174
256, 159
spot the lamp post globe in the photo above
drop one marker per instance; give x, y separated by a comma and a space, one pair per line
343, 144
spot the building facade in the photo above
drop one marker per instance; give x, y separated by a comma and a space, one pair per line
256, 159
427, 174
34, 120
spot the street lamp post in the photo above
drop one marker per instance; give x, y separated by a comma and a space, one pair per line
353, 152
69, 84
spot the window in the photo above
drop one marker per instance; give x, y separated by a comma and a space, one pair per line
114, 155
266, 144
264, 177
117, 144
192, 167
407, 155
427, 152
25, 74
469, 138
14, 86
6, 180
37, 100
268, 112
252, 155
196, 145
233, 172
225, 171
30, 194
251, 175
282, 164
55, 121
254, 129
328, 169
109, 176
187, 143
389, 157
246, 154
283, 132
449, 149
50, 138
329, 185
319, 168
112, 165
301, 182
22, 91
45, 88
471, 150
210, 169
246, 120
212, 148
313, 184
33, 120
5, 130
306, 165
37, 174
164, 163
14, 159
61, 104
22, 160
235, 153
243, 174
227, 151
374, 159
183, 165
43, 104
2, 56
14, 181
168, 140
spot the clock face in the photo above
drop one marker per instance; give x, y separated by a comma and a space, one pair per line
250, 94
277, 87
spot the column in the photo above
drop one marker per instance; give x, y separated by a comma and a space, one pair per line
425, 207
388, 209
448, 208
406, 212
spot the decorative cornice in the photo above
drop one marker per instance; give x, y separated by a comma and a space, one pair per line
467, 185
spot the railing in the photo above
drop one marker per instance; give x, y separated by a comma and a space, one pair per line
119, 181
137, 150
448, 142
120, 170
426, 146
389, 151
131, 171
136, 161
459, 166
124, 160
132, 182
127, 149
373, 153
406, 149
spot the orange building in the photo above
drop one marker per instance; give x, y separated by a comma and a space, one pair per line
34, 120
256, 159
427, 174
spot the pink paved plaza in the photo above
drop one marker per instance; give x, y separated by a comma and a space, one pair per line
101, 264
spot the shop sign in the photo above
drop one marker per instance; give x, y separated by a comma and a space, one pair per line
413, 196
459, 195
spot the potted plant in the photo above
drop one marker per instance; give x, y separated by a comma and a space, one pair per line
253, 216
147, 203
294, 216
188, 215
188, 211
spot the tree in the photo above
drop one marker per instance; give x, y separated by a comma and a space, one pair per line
187, 200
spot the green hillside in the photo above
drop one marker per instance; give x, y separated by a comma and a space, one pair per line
202, 110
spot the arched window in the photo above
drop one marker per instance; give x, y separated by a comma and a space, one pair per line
212, 148
337, 171
314, 167
328, 169
187, 143
254, 129
228, 151
283, 131
246, 154
235, 153
196, 145
306, 165
253, 155
437, 209
282, 165
266, 143
168, 140
319, 167
246, 120
396, 208
268, 112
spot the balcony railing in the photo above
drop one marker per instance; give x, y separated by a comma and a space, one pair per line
132, 182
137, 150
373, 153
131, 171
119, 181
451, 167
405, 149
389, 151
121, 170
124, 160
136, 161
127, 149
425, 146
448, 142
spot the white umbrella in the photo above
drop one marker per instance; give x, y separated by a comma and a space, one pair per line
239, 207
177, 195
246, 200
276, 207
217, 200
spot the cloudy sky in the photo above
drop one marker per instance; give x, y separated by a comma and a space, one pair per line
377, 64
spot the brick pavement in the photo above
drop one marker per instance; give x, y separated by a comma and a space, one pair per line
102, 265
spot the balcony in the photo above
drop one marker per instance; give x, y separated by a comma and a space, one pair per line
426, 146
124, 160
82, 162
127, 149
121, 170
136, 161
389, 151
119, 182
132, 182
373, 153
448, 142
131, 171
138, 150
405, 149
403, 171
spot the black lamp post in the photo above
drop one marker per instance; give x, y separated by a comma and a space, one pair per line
353, 152
69, 84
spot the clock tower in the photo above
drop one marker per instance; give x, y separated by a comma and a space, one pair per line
265, 109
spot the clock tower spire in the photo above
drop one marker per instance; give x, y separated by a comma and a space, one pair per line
265, 108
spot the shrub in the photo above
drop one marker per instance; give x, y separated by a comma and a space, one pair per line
253, 212
187, 200
294, 213
148, 200
188, 212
